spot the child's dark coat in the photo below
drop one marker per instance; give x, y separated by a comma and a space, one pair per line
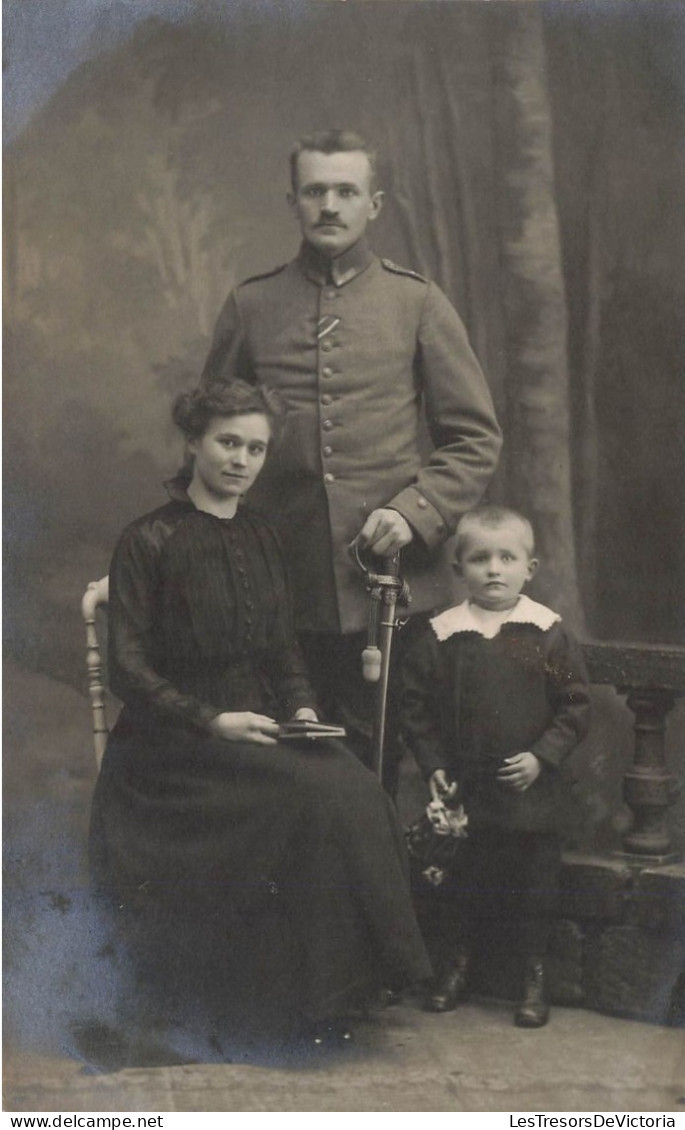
469, 702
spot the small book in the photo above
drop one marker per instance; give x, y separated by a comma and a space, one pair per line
301, 728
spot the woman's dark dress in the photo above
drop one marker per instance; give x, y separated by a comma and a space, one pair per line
269, 880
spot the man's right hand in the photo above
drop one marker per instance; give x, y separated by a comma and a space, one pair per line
245, 727
441, 787
384, 532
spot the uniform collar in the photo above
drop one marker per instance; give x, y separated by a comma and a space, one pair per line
461, 619
342, 269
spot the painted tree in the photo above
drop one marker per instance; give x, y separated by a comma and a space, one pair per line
538, 446
478, 209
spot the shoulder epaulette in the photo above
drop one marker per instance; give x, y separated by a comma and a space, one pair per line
265, 275
390, 266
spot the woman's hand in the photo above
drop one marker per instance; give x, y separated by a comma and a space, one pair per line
245, 727
441, 787
305, 714
519, 771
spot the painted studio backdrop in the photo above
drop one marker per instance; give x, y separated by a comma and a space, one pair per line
532, 157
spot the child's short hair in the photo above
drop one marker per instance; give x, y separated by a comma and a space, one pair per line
491, 517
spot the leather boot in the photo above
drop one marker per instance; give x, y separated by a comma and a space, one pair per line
533, 1011
451, 986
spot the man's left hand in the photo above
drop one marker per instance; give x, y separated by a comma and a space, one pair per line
385, 532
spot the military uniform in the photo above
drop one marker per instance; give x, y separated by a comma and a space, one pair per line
354, 357
356, 345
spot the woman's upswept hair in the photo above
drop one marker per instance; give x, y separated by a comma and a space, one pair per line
193, 411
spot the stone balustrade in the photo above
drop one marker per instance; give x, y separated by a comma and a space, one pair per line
651, 676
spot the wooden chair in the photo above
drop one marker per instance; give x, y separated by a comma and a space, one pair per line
96, 596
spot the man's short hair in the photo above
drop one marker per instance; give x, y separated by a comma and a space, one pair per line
331, 141
491, 517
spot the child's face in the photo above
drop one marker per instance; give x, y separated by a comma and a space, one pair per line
495, 565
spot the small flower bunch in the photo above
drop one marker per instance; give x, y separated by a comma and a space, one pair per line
433, 840
447, 821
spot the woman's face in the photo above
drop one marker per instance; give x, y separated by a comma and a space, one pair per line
230, 454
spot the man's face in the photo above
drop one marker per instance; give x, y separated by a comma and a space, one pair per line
334, 201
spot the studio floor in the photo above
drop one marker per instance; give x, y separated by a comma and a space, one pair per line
403, 1059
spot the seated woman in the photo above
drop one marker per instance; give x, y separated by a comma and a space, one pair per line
264, 879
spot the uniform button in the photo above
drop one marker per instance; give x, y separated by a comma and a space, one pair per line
327, 345
422, 503
327, 398
330, 293
326, 371
328, 451
328, 477
327, 425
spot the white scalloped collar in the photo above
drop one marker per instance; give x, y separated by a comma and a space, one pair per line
460, 618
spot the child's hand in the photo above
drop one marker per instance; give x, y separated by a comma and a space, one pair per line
519, 771
441, 788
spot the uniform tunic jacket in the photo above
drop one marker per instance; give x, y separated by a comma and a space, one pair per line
356, 348
469, 702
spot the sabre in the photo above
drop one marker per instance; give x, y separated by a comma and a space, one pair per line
386, 590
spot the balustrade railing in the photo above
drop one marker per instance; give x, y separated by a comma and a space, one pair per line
651, 676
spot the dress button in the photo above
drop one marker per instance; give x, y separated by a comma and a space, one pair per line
328, 477
422, 503
326, 371
327, 425
328, 451
327, 398
327, 345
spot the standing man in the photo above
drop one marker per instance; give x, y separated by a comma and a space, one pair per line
357, 346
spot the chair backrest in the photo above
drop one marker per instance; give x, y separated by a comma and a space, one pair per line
96, 594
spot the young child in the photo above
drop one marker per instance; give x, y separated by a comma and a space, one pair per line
496, 696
